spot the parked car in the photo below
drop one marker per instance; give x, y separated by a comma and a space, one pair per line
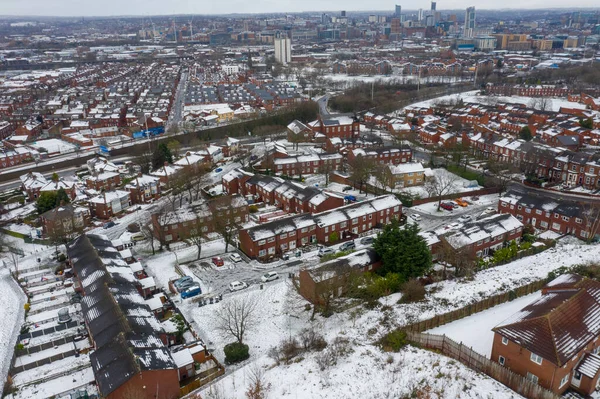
179, 282
347, 246
218, 170
237, 285
270, 276
446, 206
185, 285
367, 240
235, 257
191, 291
475, 198
218, 261
138, 237
416, 217
347, 188
452, 226
465, 218
325, 251
461, 202
350, 198
108, 225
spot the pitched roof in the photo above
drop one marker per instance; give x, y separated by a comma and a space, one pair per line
559, 324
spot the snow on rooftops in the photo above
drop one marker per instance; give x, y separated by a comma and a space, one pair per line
182, 358
342, 265
487, 228
110, 196
559, 324
406, 168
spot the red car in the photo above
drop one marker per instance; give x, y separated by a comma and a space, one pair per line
446, 206
218, 261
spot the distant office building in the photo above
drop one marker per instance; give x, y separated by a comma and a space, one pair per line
420, 14
398, 11
283, 49
469, 22
343, 13
433, 4
372, 18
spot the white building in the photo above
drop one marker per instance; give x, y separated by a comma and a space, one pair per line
283, 49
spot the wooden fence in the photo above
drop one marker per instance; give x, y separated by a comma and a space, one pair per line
477, 307
482, 364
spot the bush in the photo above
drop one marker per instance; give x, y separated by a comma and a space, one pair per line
253, 208
236, 352
412, 291
334, 237
394, 341
311, 340
62, 258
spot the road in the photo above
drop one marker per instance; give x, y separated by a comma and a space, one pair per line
176, 115
323, 105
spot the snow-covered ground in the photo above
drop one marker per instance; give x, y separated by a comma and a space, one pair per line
472, 96
459, 184
78, 379
54, 146
12, 316
475, 331
431, 208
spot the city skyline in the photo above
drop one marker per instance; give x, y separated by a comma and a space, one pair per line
70, 8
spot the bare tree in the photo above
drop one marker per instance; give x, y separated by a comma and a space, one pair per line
326, 168
591, 218
440, 185
226, 218
197, 234
541, 103
147, 230
383, 176
462, 259
503, 173
161, 217
361, 169
258, 388
237, 316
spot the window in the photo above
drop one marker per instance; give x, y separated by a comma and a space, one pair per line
304, 230
271, 250
535, 358
519, 207
544, 225
355, 221
262, 252
565, 218
271, 239
501, 360
504, 341
343, 225
578, 220
533, 378
538, 212
527, 210
503, 204
555, 226
292, 233
564, 380
261, 242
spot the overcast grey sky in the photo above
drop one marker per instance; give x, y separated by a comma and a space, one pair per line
161, 7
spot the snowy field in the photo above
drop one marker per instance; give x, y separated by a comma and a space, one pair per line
472, 96
54, 146
282, 315
476, 331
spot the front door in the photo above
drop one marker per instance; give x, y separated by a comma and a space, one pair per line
533, 222
576, 379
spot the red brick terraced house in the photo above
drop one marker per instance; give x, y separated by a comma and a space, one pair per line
184, 222
307, 164
341, 126
554, 341
484, 236
103, 181
143, 189
545, 213
383, 155
273, 239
